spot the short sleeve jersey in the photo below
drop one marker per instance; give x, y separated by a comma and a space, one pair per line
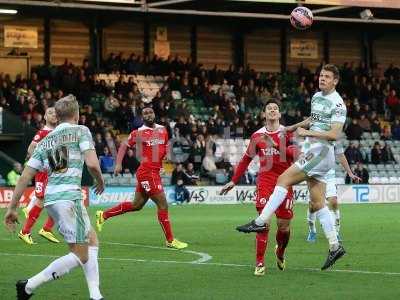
150, 145
273, 162
61, 155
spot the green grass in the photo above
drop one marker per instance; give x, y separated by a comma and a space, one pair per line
370, 232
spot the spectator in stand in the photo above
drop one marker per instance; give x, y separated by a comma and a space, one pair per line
354, 130
387, 154
376, 154
99, 144
396, 130
180, 179
192, 173
109, 140
353, 154
107, 161
362, 173
386, 133
130, 163
111, 105
393, 102
185, 89
376, 126
364, 123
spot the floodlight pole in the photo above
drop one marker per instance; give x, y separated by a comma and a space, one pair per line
167, 2
327, 9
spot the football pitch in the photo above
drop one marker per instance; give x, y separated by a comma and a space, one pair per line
219, 262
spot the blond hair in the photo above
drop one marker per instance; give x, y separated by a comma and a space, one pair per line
66, 108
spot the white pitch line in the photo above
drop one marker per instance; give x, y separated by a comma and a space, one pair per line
206, 264
203, 260
204, 257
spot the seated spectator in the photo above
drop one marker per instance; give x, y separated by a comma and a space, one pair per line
110, 143
208, 164
386, 133
130, 163
364, 123
393, 102
396, 129
387, 154
179, 174
191, 172
362, 172
376, 154
14, 174
376, 125
354, 130
180, 179
353, 154
99, 144
107, 161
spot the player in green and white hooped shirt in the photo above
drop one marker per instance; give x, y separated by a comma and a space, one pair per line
328, 115
331, 195
62, 154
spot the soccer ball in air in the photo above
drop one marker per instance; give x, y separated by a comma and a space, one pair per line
301, 18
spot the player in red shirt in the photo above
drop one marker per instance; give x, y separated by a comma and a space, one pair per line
273, 146
35, 207
150, 142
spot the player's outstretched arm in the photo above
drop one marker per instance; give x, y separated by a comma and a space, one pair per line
240, 169
303, 124
333, 134
30, 150
227, 187
93, 165
11, 216
120, 156
345, 164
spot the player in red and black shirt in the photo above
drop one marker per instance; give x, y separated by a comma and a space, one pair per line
273, 145
150, 142
35, 207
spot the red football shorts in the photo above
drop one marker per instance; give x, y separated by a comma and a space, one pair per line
40, 184
284, 211
149, 182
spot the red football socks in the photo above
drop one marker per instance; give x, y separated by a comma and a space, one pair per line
33, 215
282, 239
165, 224
261, 246
48, 226
118, 210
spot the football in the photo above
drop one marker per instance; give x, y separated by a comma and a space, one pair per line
301, 18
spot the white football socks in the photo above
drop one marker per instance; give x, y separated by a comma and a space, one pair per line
325, 218
55, 270
276, 199
336, 218
91, 270
311, 217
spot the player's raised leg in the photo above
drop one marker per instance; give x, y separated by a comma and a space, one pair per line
33, 215
129, 206
290, 177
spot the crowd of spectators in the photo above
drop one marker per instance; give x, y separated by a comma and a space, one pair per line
370, 95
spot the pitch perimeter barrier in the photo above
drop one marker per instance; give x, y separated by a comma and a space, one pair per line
361, 193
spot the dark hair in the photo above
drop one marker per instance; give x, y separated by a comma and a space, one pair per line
332, 68
272, 101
